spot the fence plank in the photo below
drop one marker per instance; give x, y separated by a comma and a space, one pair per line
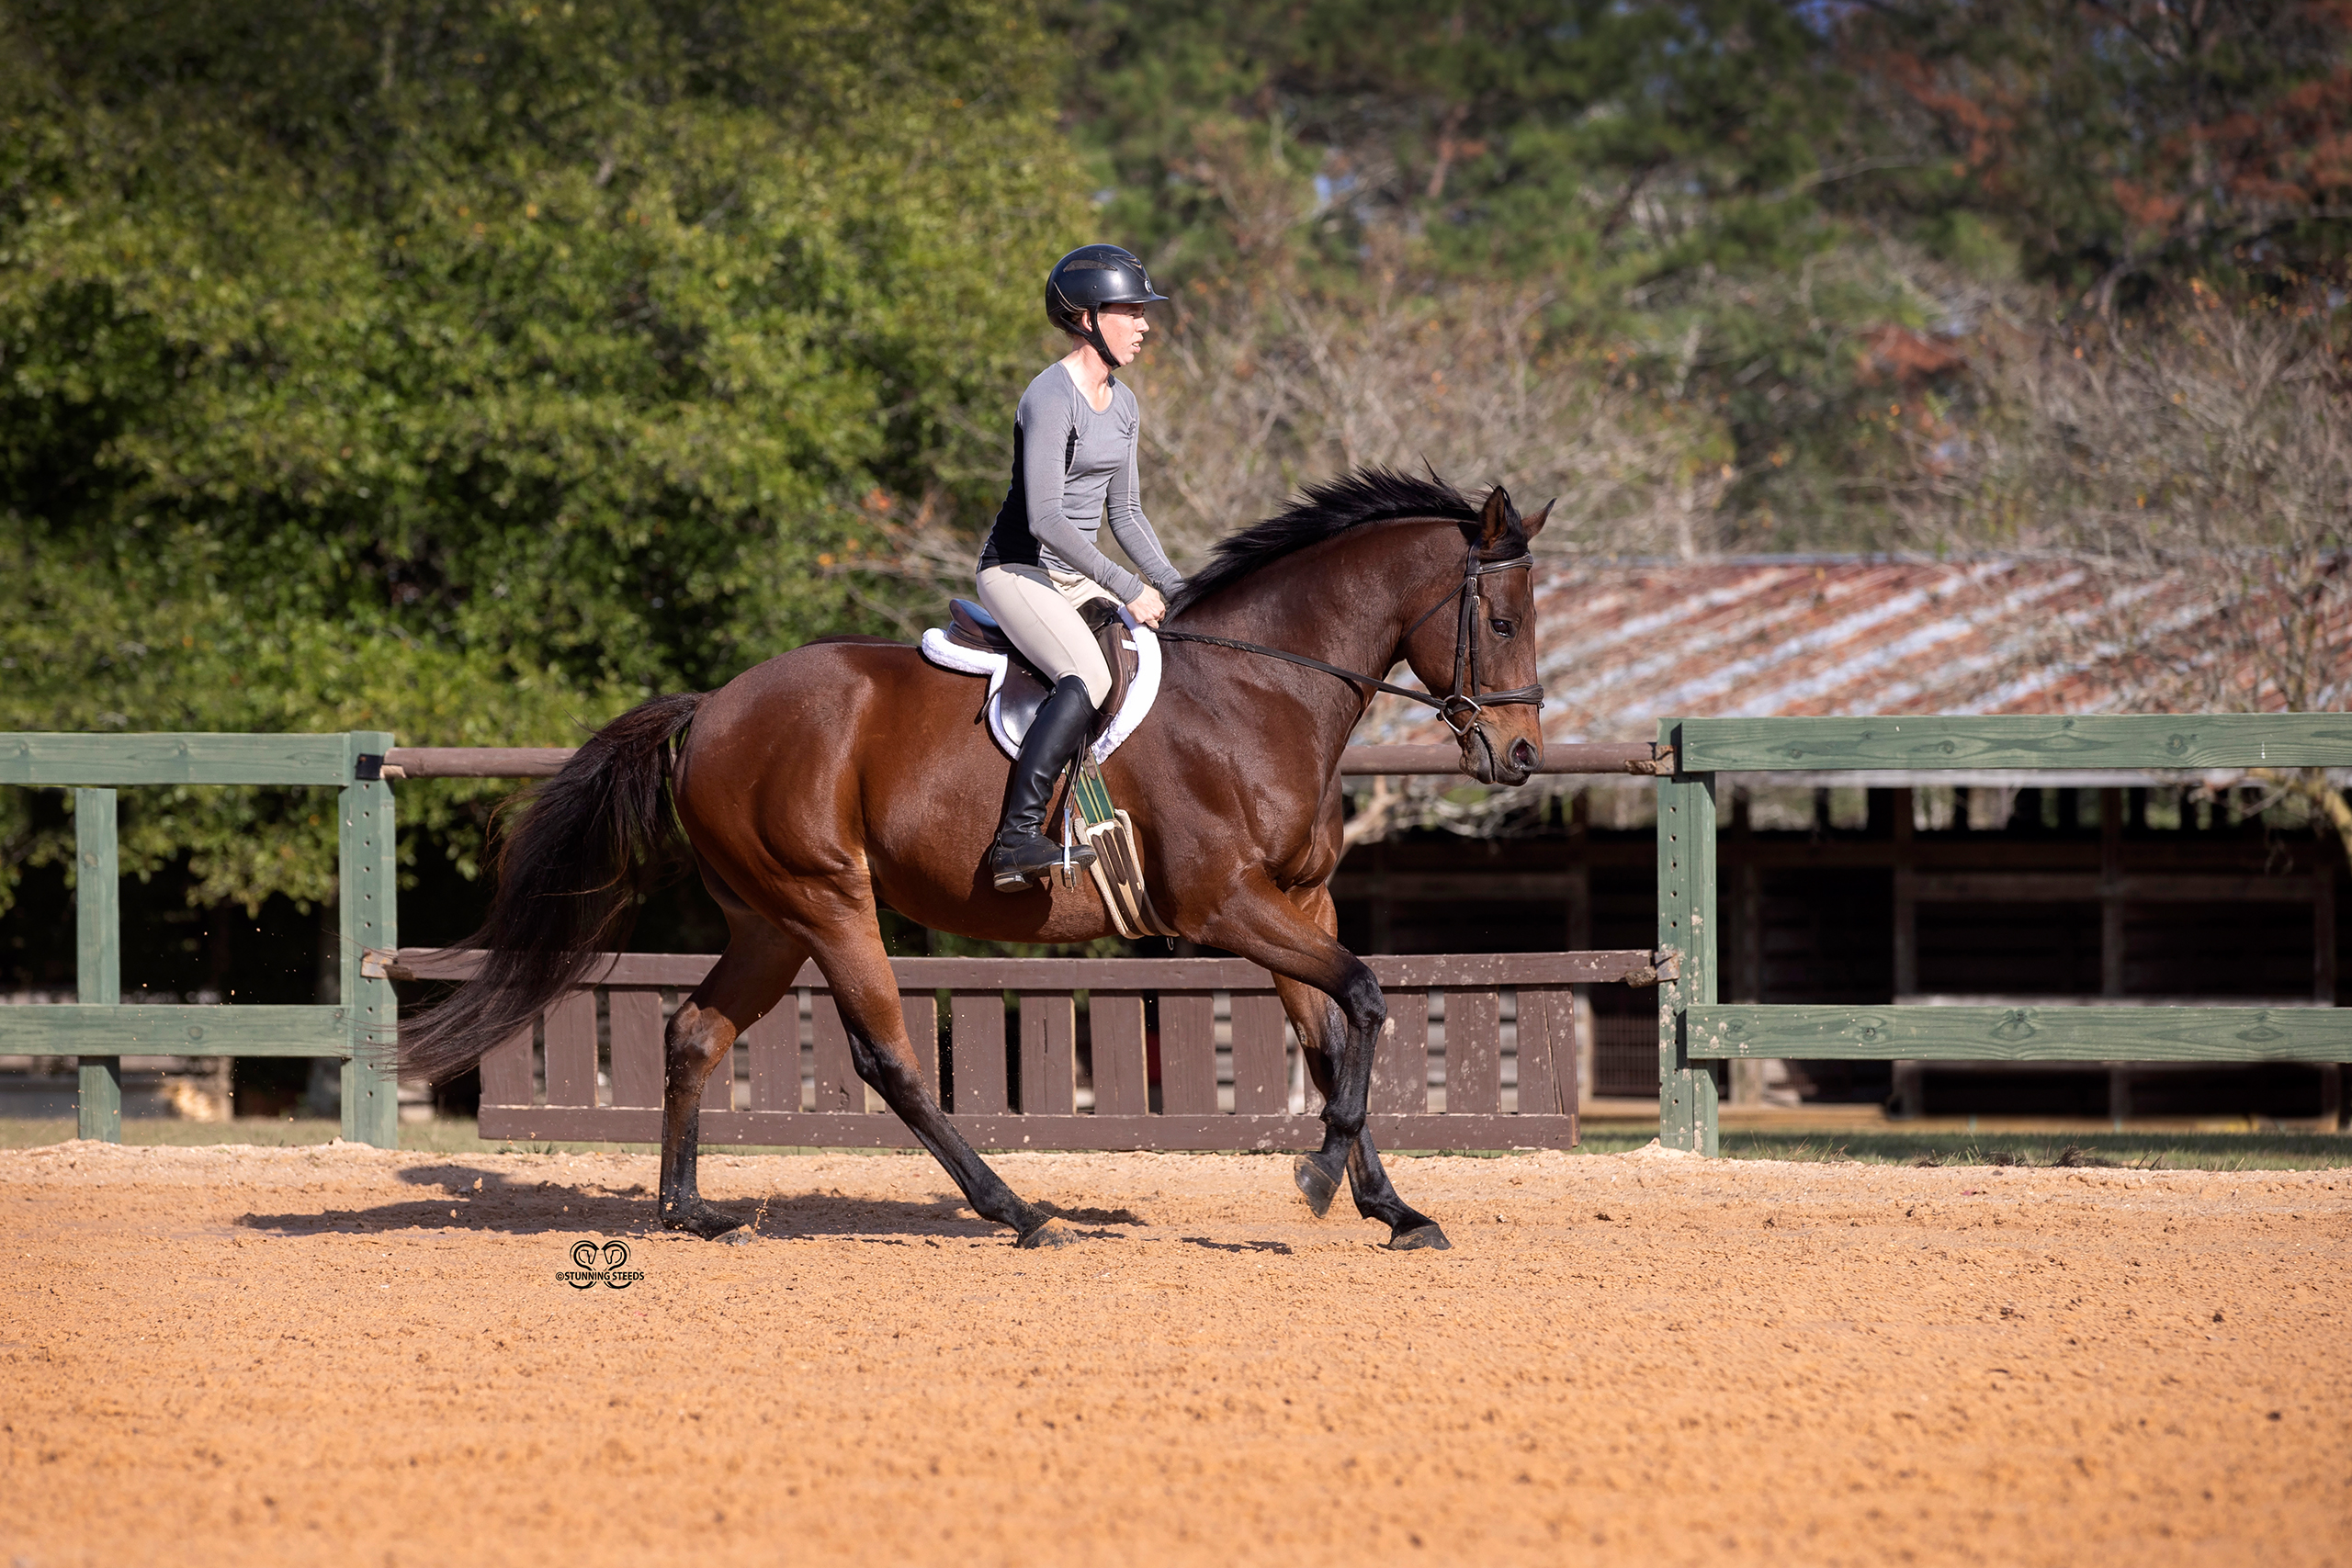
1400, 1063
636, 1034
803, 1129
919, 1010
98, 930
685, 970
506, 1073
1686, 925
43, 759
1260, 1054
839, 1089
1187, 1053
1048, 1054
135, 1029
2098, 741
1547, 1050
976, 1038
2024, 1034
571, 1050
773, 1045
367, 920
1115, 1028
1474, 1052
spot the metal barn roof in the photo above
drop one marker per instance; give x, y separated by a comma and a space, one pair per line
1626, 643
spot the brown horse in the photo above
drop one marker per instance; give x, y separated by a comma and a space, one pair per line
848, 774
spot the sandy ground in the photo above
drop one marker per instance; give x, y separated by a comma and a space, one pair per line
343, 1355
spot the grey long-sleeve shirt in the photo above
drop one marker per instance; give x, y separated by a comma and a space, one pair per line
1069, 464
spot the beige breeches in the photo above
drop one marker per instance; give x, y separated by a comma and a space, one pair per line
1038, 610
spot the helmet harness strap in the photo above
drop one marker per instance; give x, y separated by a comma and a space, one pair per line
1094, 336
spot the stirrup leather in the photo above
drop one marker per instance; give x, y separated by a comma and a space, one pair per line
1094, 827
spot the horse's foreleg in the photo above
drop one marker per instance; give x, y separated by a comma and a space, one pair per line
868, 996
1322, 1033
750, 978
1292, 935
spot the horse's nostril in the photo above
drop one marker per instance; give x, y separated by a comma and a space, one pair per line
1524, 754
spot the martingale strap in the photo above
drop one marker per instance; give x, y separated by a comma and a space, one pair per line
1460, 708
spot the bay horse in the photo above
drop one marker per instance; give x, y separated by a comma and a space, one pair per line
848, 774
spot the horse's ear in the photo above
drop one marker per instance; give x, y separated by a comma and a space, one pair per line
1499, 518
1534, 524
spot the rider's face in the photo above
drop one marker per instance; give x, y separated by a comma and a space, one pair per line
1124, 327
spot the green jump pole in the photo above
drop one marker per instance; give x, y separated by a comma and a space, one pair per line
371, 1102
1686, 924
98, 930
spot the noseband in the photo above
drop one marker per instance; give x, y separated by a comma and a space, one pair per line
1460, 707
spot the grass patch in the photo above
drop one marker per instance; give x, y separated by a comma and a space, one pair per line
2125, 1151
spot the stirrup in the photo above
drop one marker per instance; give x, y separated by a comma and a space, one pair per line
1012, 867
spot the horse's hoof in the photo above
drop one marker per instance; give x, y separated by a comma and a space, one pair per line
1315, 1186
1053, 1232
702, 1220
1426, 1237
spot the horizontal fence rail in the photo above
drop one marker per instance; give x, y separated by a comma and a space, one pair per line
546, 761
1693, 1027
2028, 742
2023, 1034
1482, 1055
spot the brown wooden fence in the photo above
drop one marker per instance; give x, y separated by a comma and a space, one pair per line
1482, 1055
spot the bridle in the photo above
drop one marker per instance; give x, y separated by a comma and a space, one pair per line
1460, 707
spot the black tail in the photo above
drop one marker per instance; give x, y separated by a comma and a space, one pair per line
591, 841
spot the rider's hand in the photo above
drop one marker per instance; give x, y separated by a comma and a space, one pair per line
1148, 607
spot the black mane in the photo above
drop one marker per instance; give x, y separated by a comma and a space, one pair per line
1367, 495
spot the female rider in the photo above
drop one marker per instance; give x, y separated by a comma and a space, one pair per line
1073, 452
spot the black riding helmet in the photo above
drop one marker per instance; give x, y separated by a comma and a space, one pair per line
1089, 278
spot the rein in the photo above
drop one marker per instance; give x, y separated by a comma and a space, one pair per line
1460, 707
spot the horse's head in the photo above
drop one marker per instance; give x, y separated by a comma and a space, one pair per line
1483, 642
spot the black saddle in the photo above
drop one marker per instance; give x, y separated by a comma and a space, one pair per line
1026, 686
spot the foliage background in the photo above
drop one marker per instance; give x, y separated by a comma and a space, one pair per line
474, 372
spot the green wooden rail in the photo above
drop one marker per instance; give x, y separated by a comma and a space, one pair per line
100, 1030
1694, 1029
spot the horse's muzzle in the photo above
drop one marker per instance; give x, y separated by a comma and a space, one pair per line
1515, 766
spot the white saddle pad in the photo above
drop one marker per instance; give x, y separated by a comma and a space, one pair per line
1141, 691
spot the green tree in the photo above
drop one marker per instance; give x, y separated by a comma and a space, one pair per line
470, 372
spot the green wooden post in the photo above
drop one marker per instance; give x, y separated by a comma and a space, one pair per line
370, 1104
97, 929
1686, 924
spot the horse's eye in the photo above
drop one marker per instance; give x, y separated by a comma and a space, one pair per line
1502, 627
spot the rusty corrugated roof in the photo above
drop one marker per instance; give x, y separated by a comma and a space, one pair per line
1626, 643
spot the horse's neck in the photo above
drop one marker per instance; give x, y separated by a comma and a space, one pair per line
1346, 603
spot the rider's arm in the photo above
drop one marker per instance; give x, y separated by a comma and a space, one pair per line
1048, 414
1130, 526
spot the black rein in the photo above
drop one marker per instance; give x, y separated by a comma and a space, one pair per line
1460, 708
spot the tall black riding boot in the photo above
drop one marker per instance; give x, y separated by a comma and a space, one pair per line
1020, 851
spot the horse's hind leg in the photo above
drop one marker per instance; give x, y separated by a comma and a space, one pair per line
751, 976
858, 971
